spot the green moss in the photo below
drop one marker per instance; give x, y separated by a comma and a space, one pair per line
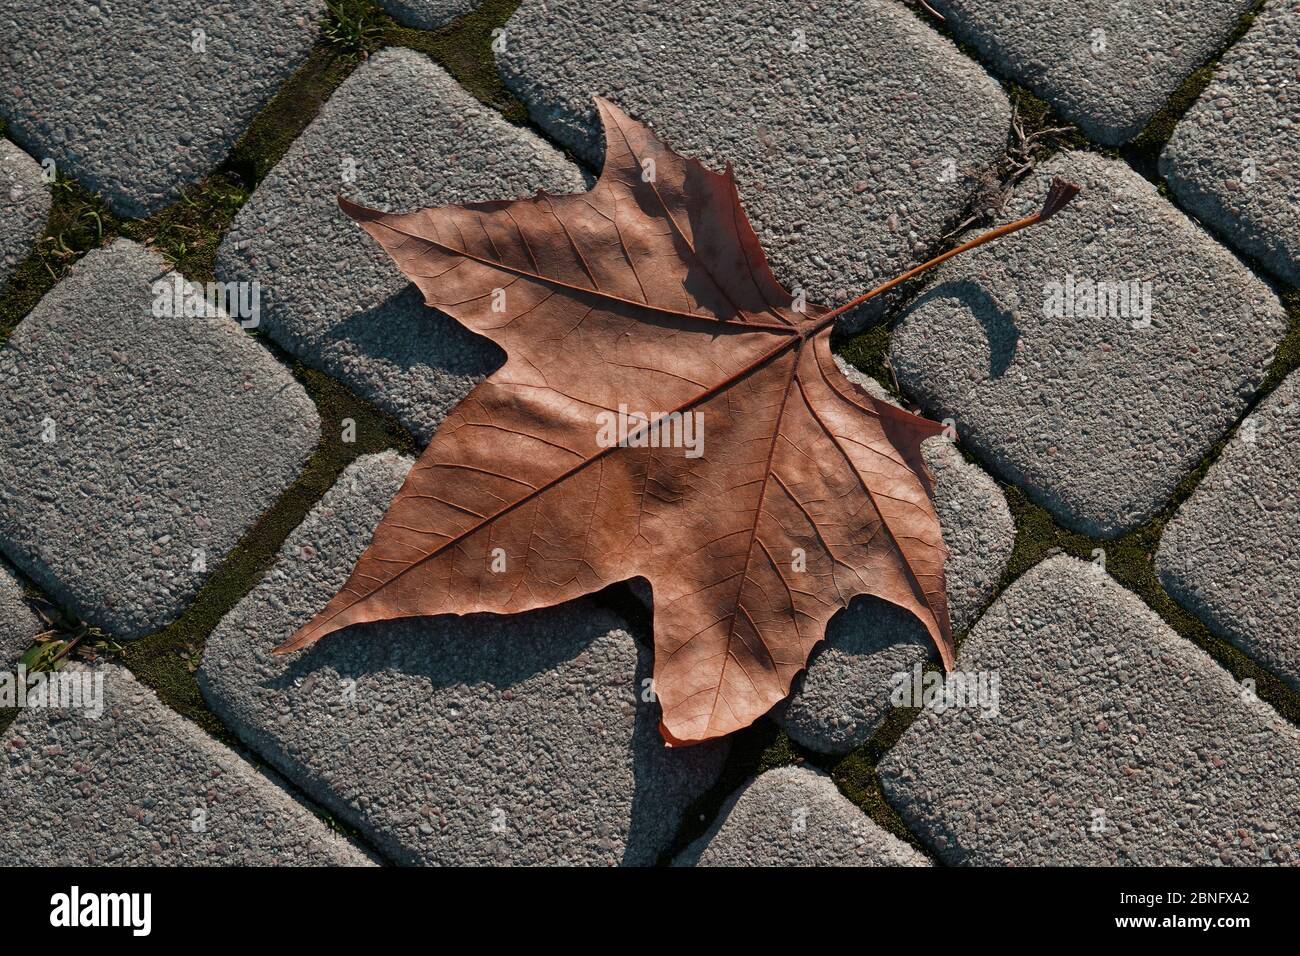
289, 112
1144, 151
868, 352
856, 775
1287, 357
464, 49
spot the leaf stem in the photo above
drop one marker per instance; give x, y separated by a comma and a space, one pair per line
1058, 196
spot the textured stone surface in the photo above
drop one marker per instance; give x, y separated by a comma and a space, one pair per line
333, 297
1232, 552
1105, 65
1097, 419
24, 206
17, 622
795, 816
1232, 158
838, 702
119, 96
128, 442
476, 740
427, 14
141, 786
1117, 742
843, 119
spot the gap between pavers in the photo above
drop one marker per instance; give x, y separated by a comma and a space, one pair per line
1232, 158
1107, 66
1231, 554
795, 816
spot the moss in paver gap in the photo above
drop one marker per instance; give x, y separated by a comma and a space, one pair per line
765, 746
463, 47
1287, 357
1143, 153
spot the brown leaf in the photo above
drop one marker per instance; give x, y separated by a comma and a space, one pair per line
648, 294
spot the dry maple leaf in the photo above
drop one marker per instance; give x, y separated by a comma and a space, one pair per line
649, 299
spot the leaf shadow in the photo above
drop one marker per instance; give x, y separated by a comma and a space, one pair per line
1001, 333
403, 332
496, 667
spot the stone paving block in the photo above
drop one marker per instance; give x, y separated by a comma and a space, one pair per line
398, 134
1232, 158
840, 699
136, 99
1231, 554
1108, 66
795, 816
136, 449
24, 207
139, 785
857, 132
477, 740
1097, 404
428, 14
1116, 742
18, 625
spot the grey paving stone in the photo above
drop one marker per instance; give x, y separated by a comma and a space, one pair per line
1097, 416
1116, 742
1108, 66
795, 816
24, 207
136, 450
130, 99
840, 699
138, 785
477, 740
18, 625
428, 14
1232, 552
408, 136
1232, 158
842, 118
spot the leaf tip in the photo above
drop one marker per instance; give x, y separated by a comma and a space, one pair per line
358, 212
1059, 195
300, 639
